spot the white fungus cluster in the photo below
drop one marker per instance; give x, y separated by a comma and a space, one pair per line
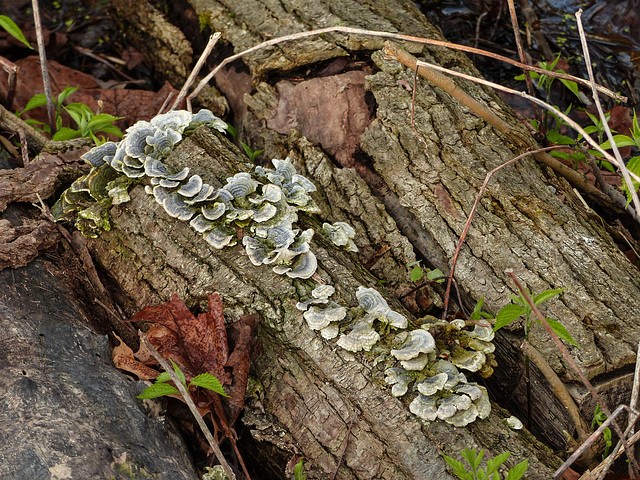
265, 204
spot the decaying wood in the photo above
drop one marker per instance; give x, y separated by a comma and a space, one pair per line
399, 194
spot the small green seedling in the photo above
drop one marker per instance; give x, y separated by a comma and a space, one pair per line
252, 154
13, 30
297, 471
511, 312
89, 123
599, 418
476, 472
417, 273
161, 388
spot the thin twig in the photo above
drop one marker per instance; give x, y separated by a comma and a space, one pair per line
500, 124
187, 398
346, 444
467, 225
565, 353
395, 36
596, 99
43, 66
213, 39
449, 86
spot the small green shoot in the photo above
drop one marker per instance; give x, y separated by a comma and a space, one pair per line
633, 165
417, 273
89, 123
478, 314
297, 471
252, 154
511, 312
476, 472
161, 388
13, 30
598, 419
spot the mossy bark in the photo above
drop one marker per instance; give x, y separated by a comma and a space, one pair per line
408, 192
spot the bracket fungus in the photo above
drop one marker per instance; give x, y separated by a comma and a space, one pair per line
265, 204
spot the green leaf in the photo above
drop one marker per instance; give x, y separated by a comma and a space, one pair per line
435, 274
561, 331
547, 295
66, 93
158, 390
477, 310
518, 471
13, 30
38, 100
470, 456
555, 137
206, 380
163, 377
620, 141
416, 274
297, 471
561, 155
232, 130
572, 86
508, 314
494, 463
98, 122
636, 128
458, 468
179, 373
111, 129
65, 133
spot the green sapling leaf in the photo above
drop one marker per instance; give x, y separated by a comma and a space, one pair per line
14, 30
158, 390
494, 463
66, 93
508, 314
458, 468
562, 332
38, 100
65, 133
179, 373
435, 274
547, 295
518, 471
163, 377
206, 380
416, 273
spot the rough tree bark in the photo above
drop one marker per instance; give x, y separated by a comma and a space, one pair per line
403, 190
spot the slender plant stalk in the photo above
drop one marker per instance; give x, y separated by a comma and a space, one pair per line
596, 99
187, 398
51, 111
213, 39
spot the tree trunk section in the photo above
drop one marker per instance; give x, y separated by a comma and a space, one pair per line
407, 192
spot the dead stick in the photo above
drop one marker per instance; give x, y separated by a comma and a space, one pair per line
395, 36
565, 353
187, 398
213, 39
43, 66
621, 165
